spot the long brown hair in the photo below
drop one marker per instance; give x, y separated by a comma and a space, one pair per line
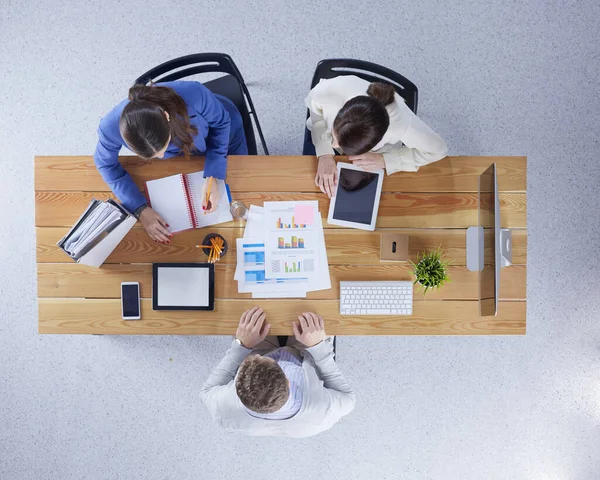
144, 125
362, 122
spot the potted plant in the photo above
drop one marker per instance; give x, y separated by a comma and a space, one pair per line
430, 270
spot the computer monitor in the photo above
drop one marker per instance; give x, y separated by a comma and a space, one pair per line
489, 220
488, 245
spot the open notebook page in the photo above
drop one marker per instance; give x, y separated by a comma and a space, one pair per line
222, 214
167, 198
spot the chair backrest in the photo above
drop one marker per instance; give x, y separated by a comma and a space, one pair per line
198, 63
371, 72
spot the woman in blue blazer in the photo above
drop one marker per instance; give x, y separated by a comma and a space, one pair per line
162, 121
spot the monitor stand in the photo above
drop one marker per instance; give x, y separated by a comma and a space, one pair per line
475, 248
505, 247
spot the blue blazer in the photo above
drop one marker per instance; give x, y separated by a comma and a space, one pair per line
206, 113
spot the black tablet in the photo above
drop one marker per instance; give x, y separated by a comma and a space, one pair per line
183, 286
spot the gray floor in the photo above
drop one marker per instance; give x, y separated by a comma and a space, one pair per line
515, 78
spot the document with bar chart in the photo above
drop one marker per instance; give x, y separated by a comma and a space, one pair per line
251, 271
293, 239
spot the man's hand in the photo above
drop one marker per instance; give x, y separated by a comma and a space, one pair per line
155, 226
251, 330
309, 329
368, 161
326, 178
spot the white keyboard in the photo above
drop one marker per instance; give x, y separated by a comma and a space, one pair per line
376, 298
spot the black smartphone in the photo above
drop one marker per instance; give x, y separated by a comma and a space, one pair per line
130, 300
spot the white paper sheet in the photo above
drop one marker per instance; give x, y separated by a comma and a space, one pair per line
222, 214
292, 249
250, 273
253, 235
254, 223
167, 198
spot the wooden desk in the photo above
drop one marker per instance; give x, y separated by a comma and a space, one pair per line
434, 206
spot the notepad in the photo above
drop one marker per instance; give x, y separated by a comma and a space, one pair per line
183, 286
178, 200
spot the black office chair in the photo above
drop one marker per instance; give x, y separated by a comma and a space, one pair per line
371, 72
231, 86
282, 339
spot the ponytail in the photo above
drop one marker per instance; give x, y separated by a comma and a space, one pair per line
144, 125
382, 92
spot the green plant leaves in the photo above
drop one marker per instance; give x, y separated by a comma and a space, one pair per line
430, 270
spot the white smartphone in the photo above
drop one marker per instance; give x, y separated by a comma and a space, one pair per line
130, 300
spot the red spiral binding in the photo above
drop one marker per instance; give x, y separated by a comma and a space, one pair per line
190, 205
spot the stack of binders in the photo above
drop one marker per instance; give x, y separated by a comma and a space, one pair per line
97, 232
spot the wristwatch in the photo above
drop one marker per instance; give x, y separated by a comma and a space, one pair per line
138, 210
239, 342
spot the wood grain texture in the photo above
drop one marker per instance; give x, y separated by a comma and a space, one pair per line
433, 206
344, 246
396, 210
291, 174
429, 318
70, 280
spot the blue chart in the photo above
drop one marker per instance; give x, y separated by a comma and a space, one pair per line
253, 276
254, 258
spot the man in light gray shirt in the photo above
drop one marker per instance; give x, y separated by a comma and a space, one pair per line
292, 391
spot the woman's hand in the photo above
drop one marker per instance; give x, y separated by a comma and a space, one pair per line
326, 178
155, 226
213, 203
368, 161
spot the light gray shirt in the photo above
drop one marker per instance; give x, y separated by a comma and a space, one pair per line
326, 397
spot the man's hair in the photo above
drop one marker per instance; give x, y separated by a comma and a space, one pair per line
261, 385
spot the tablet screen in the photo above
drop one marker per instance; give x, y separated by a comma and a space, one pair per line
355, 198
183, 287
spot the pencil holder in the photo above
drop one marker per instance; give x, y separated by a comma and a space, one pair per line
206, 242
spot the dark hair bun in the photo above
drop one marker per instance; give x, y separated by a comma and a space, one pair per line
382, 92
138, 92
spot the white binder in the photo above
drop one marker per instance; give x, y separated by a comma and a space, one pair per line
99, 250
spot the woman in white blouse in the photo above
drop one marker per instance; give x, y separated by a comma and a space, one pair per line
371, 124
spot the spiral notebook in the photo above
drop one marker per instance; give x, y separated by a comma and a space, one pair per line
178, 200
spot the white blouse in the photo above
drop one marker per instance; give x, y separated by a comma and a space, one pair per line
408, 143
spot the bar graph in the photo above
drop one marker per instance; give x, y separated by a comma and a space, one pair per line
292, 267
294, 242
281, 225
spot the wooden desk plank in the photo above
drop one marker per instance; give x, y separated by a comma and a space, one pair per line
72, 280
399, 210
295, 174
430, 318
344, 246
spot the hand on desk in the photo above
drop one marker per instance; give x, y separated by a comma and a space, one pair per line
368, 161
309, 329
155, 226
215, 196
252, 329
326, 178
